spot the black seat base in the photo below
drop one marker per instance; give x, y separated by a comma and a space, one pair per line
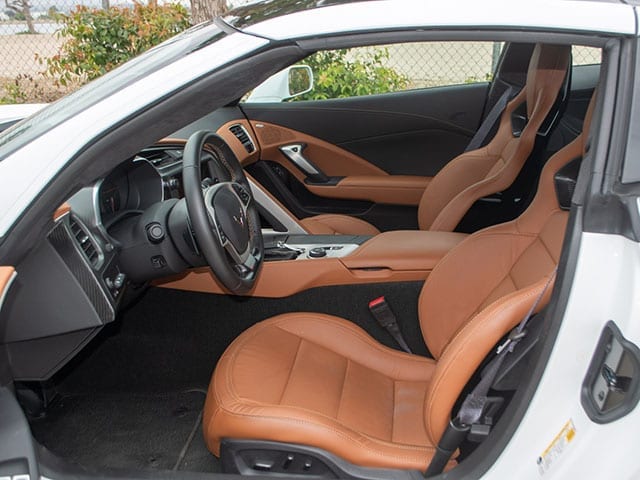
275, 459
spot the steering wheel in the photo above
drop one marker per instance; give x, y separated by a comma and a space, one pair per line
223, 216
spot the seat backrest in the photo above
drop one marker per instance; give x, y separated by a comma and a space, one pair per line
494, 167
484, 286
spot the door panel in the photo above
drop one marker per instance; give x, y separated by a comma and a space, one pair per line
332, 160
389, 189
406, 133
6, 276
350, 176
379, 152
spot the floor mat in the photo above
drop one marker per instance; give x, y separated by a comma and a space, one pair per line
170, 340
128, 431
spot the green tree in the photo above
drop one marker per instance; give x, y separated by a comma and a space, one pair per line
99, 40
344, 73
52, 12
22, 9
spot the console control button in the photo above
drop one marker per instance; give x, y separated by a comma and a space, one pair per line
317, 252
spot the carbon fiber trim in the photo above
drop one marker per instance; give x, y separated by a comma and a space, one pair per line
61, 239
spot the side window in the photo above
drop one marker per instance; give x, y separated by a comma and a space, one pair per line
382, 69
585, 55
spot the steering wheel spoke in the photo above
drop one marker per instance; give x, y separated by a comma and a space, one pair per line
224, 218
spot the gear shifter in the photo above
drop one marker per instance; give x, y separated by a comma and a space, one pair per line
282, 251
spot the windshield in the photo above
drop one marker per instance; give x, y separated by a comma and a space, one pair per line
255, 11
167, 52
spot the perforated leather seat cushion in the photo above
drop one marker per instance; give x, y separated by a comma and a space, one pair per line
320, 380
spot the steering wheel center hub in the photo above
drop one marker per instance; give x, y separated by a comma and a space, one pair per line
232, 218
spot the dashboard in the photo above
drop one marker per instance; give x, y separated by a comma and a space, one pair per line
107, 241
153, 175
128, 190
137, 184
82, 255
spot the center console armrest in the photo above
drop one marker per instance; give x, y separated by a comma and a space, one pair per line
403, 250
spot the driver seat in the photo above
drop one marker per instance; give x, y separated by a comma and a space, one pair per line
321, 381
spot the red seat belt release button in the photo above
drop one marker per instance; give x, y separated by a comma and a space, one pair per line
381, 311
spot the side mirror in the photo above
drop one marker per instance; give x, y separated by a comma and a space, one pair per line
291, 82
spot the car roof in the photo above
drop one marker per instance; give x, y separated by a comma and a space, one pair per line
294, 19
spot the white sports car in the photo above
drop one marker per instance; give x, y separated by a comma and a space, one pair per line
10, 114
269, 247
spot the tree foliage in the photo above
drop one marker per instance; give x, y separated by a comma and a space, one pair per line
343, 73
99, 40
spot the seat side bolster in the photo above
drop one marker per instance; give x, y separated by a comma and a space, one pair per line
463, 172
468, 348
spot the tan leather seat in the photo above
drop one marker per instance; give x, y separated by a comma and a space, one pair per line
478, 173
321, 381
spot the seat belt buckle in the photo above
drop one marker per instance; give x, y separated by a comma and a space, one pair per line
383, 314
381, 311
481, 429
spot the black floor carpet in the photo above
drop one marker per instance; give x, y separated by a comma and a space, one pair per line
127, 400
128, 431
170, 340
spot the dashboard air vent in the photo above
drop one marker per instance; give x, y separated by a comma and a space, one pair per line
84, 242
155, 156
241, 134
161, 158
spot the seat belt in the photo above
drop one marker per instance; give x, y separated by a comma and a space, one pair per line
381, 311
474, 404
491, 118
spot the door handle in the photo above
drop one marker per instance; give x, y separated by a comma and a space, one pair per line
611, 388
294, 153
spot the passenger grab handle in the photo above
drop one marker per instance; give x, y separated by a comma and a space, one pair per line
294, 153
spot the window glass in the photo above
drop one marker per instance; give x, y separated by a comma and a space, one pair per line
387, 68
586, 55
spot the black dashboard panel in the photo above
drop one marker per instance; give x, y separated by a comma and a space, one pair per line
72, 283
129, 189
57, 303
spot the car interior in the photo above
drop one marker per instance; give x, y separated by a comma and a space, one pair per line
304, 288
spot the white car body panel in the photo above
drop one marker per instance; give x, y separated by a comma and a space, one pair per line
538, 14
11, 113
606, 286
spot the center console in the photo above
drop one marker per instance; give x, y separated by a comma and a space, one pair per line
309, 247
294, 263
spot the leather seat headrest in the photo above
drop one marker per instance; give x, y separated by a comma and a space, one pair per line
565, 181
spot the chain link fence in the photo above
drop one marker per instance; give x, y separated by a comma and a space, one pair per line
22, 40
432, 64
27, 38
425, 64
